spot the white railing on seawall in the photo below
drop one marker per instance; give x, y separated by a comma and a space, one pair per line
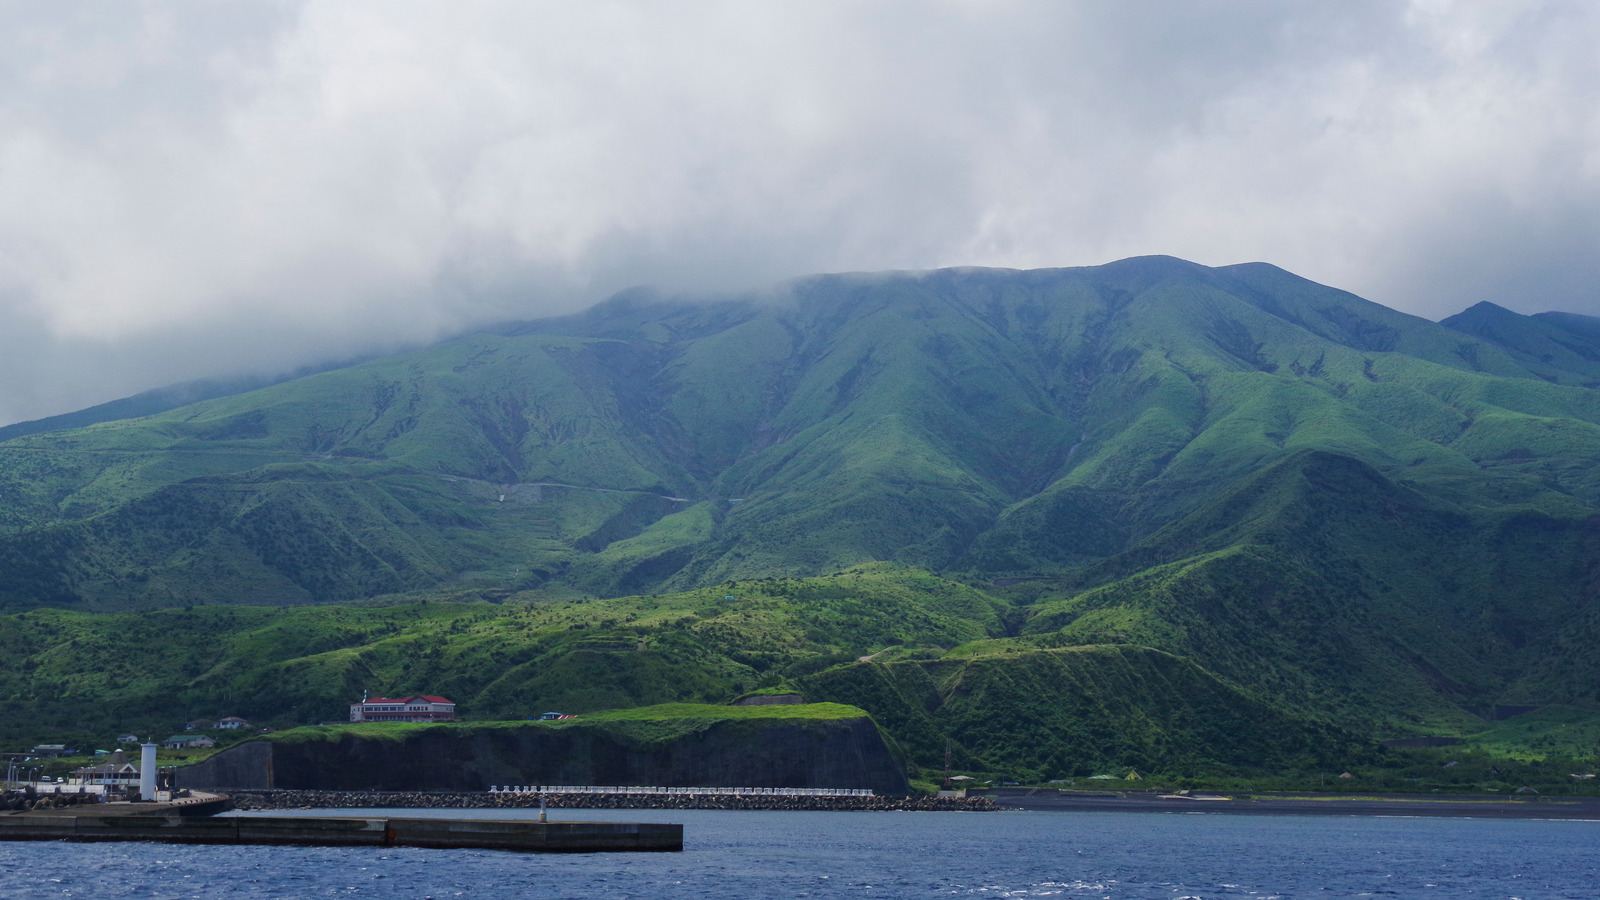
634, 790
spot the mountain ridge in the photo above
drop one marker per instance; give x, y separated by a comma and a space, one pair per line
957, 394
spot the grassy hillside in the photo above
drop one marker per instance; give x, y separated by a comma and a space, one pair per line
1323, 584
100, 674
95, 672
928, 658
644, 725
1047, 714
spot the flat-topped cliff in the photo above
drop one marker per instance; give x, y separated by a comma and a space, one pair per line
812, 745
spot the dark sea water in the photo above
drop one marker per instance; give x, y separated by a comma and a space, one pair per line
861, 855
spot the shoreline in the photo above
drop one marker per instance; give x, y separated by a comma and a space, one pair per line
1445, 806
1037, 800
307, 799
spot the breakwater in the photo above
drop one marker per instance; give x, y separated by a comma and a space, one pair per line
18, 801
291, 799
443, 834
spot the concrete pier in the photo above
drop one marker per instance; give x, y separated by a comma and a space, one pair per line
484, 834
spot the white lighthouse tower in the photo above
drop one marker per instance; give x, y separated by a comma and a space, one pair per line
147, 771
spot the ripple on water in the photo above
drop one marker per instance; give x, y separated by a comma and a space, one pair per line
1112, 856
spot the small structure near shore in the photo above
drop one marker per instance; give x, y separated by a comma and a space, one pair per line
116, 770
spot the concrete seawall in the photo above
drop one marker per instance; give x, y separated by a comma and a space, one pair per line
487, 834
284, 799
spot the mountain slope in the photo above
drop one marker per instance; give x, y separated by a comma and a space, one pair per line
1345, 595
981, 419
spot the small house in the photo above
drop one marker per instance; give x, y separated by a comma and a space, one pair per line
188, 741
233, 722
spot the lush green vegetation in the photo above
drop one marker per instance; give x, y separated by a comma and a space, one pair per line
928, 658
661, 723
1445, 772
94, 673
1144, 514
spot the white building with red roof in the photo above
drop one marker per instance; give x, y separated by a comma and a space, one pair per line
421, 708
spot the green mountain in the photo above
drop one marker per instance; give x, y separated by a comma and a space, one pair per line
1255, 497
960, 420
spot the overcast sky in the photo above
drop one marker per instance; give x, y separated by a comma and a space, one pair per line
189, 189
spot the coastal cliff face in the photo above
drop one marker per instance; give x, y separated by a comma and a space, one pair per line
836, 753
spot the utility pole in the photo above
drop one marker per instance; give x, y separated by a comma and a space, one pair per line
947, 764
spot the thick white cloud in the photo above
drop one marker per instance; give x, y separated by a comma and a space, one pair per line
191, 189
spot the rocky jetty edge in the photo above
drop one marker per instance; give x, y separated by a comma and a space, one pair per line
17, 801
301, 799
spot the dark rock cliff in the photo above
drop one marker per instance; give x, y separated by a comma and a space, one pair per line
833, 753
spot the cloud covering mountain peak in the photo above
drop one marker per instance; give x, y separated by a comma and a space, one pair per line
194, 189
